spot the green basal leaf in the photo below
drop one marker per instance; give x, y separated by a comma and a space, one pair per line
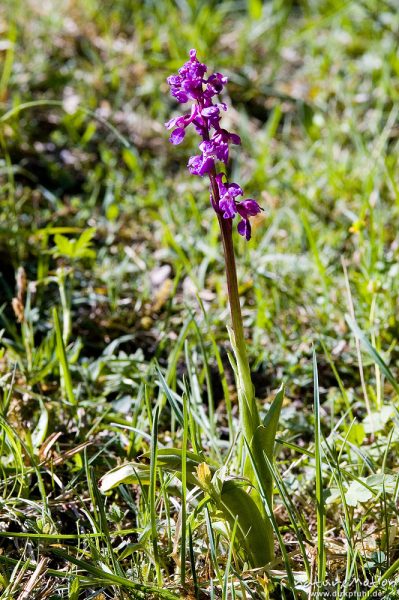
254, 532
168, 459
270, 423
128, 473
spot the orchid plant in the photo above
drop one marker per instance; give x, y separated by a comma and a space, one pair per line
245, 500
192, 85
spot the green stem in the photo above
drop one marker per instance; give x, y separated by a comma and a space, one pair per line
248, 408
66, 305
226, 229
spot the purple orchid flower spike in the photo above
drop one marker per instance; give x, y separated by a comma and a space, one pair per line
191, 84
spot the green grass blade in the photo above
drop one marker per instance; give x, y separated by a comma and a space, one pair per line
229, 560
392, 570
62, 357
267, 433
184, 493
113, 579
321, 516
171, 399
373, 352
152, 490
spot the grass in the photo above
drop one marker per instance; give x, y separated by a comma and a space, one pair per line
113, 340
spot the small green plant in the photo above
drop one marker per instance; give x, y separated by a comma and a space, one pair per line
75, 249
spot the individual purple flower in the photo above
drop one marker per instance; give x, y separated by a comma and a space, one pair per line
214, 149
200, 165
181, 123
247, 208
222, 135
227, 197
205, 116
229, 206
212, 114
211, 151
215, 84
221, 139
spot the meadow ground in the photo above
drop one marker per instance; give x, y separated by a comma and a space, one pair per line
113, 312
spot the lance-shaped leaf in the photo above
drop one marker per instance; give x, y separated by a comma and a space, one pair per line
139, 473
254, 532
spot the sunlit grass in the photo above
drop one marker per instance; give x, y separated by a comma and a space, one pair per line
115, 356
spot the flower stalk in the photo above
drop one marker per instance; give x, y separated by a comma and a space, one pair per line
248, 408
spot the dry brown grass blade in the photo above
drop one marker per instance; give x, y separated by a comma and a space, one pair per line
33, 580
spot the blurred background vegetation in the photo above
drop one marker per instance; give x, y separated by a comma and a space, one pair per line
313, 92
110, 228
